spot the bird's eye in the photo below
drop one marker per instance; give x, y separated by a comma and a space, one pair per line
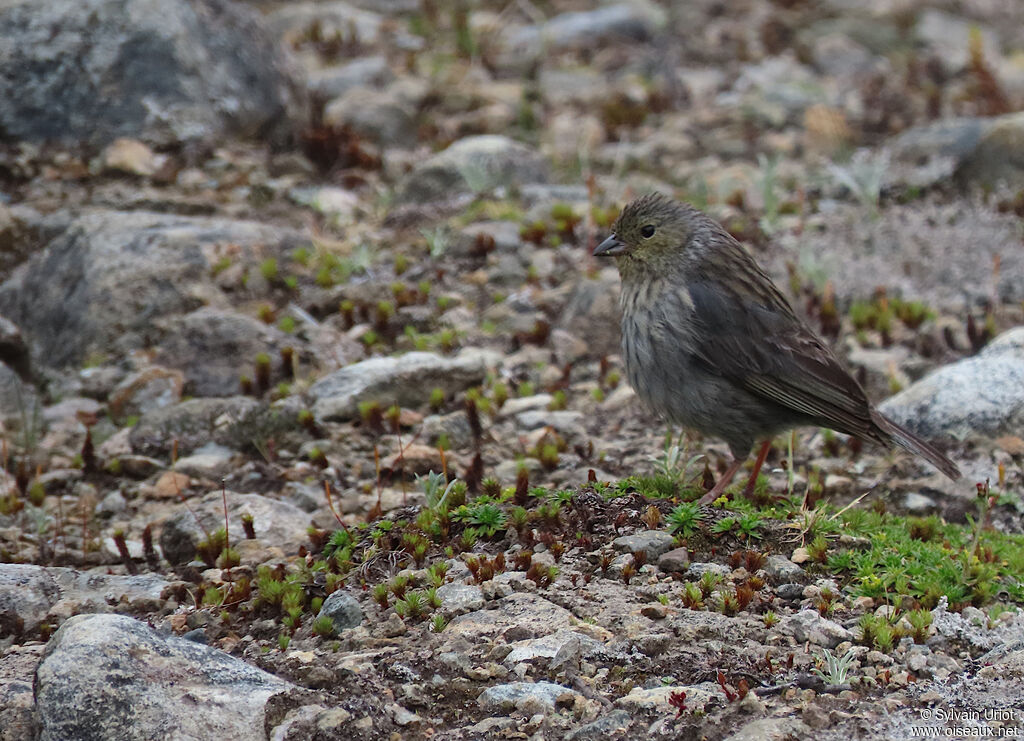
647, 231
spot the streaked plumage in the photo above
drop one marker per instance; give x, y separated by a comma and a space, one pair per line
711, 343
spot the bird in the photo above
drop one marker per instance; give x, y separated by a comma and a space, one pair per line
710, 342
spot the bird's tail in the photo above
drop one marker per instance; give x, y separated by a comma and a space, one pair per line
907, 439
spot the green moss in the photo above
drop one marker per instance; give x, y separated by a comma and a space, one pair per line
268, 269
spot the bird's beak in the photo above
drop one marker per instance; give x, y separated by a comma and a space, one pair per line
610, 247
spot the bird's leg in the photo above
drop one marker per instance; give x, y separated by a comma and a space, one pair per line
723, 482
748, 491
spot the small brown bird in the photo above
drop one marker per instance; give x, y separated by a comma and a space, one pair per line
711, 343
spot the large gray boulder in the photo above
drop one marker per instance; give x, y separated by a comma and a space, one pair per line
164, 71
111, 676
982, 395
101, 284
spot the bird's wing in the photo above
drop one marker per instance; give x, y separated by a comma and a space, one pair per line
752, 336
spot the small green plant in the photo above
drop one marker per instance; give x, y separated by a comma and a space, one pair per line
398, 585
415, 605
693, 597
488, 519
558, 401
709, 580
685, 519
724, 526
817, 549
437, 241
920, 623
436, 573
323, 626
836, 668
339, 540
863, 176
436, 399
268, 269
750, 525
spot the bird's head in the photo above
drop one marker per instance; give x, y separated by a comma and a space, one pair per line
652, 232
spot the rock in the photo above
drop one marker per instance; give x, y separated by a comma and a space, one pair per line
214, 348
699, 568
100, 285
556, 650
505, 698
19, 235
838, 55
536, 402
454, 426
635, 21
593, 312
808, 625
948, 36
336, 80
525, 611
278, 523
781, 570
343, 20
375, 115
652, 542
14, 352
132, 157
504, 233
211, 461
974, 151
406, 380
790, 591
144, 391
16, 397
677, 559
582, 86
999, 156
17, 702
567, 423
192, 424
343, 609
154, 80
458, 599
613, 725
697, 696
772, 729
472, 165
776, 90
981, 395
110, 676
918, 504
27, 593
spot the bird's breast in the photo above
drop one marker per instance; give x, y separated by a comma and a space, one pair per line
658, 340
